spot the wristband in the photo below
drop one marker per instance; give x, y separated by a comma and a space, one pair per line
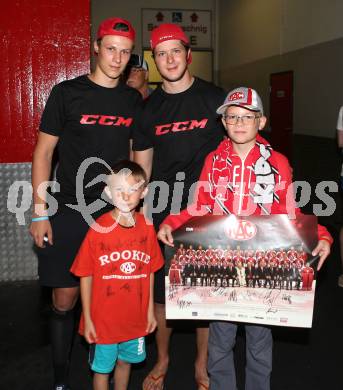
37, 219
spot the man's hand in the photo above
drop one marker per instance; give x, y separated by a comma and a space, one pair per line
165, 235
323, 250
39, 230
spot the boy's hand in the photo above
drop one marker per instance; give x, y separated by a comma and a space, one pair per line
90, 332
323, 250
152, 323
165, 235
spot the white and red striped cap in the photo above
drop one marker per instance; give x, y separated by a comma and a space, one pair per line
242, 97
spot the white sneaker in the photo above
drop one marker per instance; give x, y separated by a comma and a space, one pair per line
340, 280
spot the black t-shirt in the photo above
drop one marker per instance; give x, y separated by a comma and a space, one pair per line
182, 129
90, 121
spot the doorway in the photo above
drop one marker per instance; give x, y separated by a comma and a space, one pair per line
281, 112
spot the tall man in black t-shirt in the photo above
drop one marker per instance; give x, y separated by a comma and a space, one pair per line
89, 116
177, 131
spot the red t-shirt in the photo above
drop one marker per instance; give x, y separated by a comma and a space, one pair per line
120, 262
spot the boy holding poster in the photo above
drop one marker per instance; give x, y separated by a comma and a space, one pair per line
243, 176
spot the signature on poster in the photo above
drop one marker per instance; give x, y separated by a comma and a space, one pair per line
267, 277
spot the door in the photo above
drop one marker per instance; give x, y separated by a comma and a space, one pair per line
281, 112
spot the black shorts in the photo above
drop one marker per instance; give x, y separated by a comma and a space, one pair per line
159, 280
54, 261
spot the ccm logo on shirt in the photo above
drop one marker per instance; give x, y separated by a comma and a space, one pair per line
105, 120
180, 126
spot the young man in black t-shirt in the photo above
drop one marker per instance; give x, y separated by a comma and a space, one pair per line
177, 130
89, 116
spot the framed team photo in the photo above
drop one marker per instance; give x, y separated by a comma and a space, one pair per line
256, 269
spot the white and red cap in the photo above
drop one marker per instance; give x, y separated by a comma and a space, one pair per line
116, 26
242, 97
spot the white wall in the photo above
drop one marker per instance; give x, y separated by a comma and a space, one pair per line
248, 30
261, 37
131, 10
254, 29
309, 22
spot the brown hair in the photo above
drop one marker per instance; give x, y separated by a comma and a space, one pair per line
128, 167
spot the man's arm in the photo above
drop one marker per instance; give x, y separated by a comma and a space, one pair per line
144, 159
41, 170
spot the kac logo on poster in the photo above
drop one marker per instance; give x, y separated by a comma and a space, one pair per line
241, 230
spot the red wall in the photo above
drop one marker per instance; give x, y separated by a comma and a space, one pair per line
42, 42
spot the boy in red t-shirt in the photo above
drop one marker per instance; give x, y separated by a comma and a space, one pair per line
116, 263
243, 176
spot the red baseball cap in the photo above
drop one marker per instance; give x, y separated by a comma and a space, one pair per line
116, 26
167, 32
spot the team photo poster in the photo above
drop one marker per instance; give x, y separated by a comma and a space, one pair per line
256, 269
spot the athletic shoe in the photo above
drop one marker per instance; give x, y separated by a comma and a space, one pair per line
61, 387
340, 280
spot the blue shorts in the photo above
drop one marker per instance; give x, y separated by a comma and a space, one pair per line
103, 357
